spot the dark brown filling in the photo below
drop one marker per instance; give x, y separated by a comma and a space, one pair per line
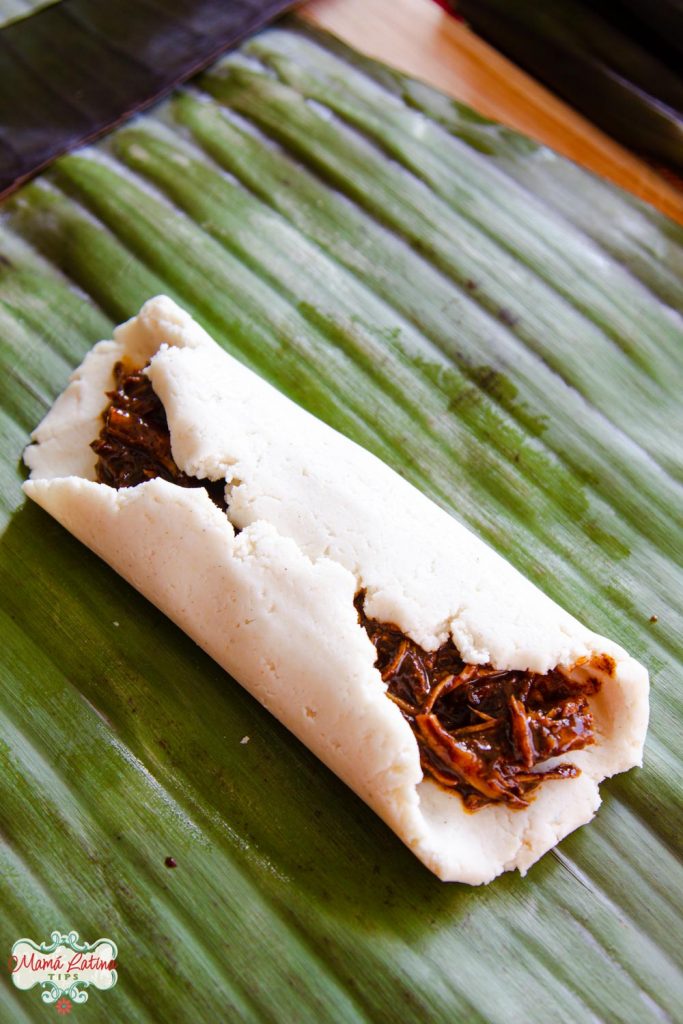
481, 731
135, 443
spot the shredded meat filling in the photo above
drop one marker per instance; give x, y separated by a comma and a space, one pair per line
481, 731
135, 443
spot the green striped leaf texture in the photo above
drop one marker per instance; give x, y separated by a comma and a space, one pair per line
503, 329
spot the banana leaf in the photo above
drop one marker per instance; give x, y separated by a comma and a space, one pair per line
502, 329
77, 68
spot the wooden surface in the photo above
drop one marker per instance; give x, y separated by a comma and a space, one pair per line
416, 36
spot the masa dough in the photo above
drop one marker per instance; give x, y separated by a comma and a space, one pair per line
320, 519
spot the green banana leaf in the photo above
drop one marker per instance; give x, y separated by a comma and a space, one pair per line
505, 331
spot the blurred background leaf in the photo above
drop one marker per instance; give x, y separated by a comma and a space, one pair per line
617, 61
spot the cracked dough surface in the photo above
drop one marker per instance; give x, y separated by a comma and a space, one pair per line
320, 518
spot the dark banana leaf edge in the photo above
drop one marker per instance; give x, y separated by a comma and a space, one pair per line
73, 70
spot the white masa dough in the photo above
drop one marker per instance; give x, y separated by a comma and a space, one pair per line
320, 519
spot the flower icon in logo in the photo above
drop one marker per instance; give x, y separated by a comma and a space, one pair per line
63, 1006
